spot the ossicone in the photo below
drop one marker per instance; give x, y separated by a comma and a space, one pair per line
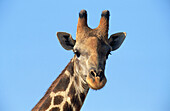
82, 21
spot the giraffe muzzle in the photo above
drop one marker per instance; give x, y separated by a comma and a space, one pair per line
96, 79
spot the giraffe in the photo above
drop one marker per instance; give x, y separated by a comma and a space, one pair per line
86, 69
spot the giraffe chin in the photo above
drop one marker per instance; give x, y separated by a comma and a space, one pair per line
95, 83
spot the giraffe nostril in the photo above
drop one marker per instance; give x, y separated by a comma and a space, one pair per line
92, 73
99, 74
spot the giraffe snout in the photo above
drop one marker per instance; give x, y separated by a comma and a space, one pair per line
96, 79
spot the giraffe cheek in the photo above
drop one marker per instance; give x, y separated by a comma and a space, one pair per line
95, 83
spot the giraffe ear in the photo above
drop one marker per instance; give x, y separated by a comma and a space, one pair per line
66, 40
116, 40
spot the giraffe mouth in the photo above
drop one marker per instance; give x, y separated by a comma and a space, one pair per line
96, 82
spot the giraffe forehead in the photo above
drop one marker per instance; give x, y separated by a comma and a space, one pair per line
92, 45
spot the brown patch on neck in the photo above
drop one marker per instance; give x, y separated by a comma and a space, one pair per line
72, 91
67, 107
82, 96
58, 99
62, 84
76, 102
70, 68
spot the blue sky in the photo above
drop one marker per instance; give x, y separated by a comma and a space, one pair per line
31, 57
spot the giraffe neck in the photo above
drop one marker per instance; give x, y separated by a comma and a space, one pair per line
67, 92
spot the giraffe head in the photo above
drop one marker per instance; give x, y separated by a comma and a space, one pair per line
92, 48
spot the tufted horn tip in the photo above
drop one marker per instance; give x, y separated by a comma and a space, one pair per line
104, 23
83, 14
82, 21
105, 14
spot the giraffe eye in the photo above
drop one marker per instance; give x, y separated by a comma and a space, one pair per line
77, 53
